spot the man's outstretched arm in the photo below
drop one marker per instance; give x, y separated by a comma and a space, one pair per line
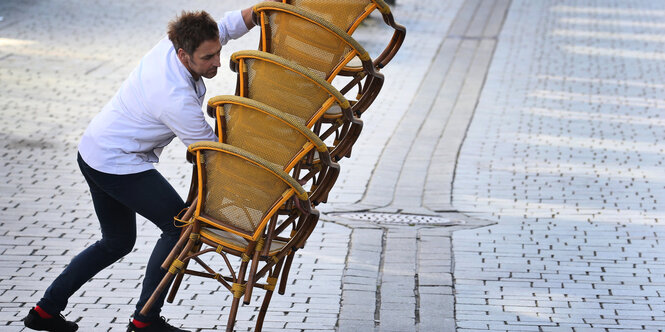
247, 15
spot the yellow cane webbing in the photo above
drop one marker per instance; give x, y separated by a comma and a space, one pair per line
285, 90
239, 193
251, 130
305, 42
244, 257
345, 14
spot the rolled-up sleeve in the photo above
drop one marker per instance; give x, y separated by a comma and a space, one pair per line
232, 26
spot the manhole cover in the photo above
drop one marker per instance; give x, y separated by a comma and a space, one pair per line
401, 219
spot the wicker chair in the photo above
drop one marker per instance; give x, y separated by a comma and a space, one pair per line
244, 210
294, 89
277, 137
348, 14
312, 42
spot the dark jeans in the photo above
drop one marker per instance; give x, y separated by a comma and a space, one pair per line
117, 199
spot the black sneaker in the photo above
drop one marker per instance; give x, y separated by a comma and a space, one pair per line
160, 325
56, 324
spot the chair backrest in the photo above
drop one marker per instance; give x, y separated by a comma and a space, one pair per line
262, 130
312, 42
294, 89
345, 14
305, 38
287, 86
240, 192
348, 14
277, 137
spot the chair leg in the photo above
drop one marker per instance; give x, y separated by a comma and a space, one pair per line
237, 295
272, 281
232, 314
162, 286
237, 288
252, 275
262, 312
180, 276
175, 287
184, 237
285, 275
167, 278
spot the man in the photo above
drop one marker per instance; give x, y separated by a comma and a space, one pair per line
161, 99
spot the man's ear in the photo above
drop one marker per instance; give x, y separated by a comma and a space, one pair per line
182, 55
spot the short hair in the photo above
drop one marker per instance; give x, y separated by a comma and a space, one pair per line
191, 29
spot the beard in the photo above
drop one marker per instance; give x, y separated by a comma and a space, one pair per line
210, 73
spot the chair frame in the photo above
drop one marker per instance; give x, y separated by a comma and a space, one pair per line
395, 42
346, 127
295, 207
373, 80
301, 216
323, 175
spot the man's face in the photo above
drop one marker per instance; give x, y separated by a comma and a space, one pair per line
205, 60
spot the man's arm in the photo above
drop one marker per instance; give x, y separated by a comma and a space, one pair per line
247, 15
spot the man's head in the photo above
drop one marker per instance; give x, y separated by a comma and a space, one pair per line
195, 37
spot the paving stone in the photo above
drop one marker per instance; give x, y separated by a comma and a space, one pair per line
528, 162
355, 325
563, 153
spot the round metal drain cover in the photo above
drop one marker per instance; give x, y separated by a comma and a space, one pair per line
401, 219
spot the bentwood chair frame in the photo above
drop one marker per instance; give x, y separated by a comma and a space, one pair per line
276, 19
296, 90
266, 243
348, 14
277, 137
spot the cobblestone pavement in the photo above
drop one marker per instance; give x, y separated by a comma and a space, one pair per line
60, 62
566, 154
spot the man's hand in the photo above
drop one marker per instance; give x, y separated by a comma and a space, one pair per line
247, 15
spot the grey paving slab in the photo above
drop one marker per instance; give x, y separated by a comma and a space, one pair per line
427, 28
547, 158
59, 70
563, 152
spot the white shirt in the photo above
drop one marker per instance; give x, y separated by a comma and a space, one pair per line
157, 102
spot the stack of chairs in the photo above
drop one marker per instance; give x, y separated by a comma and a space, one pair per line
281, 138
